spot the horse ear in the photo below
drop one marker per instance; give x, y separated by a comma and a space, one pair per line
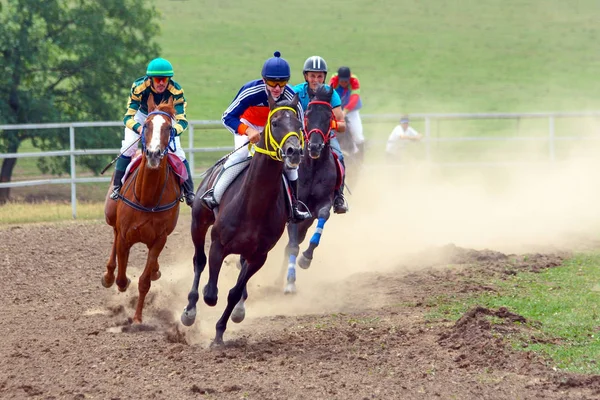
170, 101
271, 100
330, 91
151, 104
295, 101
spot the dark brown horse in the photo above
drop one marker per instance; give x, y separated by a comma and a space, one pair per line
317, 182
148, 208
251, 218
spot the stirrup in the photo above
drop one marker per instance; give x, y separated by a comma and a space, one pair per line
189, 198
209, 199
115, 193
339, 204
299, 216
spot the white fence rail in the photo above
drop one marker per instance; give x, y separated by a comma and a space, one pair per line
213, 124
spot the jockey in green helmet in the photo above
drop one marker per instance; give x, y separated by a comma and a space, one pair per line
156, 83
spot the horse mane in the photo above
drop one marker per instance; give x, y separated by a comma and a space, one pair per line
166, 107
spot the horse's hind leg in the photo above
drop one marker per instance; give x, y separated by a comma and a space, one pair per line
122, 258
236, 293
144, 282
109, 276
239, 311
306, 258
198, 237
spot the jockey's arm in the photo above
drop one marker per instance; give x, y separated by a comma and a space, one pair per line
340, 121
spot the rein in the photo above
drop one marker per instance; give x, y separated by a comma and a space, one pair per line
271, 143
326, 136
157, 208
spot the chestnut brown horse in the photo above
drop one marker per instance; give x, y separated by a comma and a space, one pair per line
317, 182
251, 217
148, 207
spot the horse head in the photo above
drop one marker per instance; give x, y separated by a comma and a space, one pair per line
317, 121
282, 139
158, 131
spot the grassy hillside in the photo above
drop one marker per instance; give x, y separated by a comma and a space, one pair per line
411, 56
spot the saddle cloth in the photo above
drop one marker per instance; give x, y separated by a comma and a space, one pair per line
176, 164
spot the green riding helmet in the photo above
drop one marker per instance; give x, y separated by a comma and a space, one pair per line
159, 67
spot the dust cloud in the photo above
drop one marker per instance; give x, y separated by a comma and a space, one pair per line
398, 213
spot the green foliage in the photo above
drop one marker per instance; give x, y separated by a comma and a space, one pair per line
70, 61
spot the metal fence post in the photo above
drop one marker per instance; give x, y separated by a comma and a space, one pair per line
551, 138
191, 147
73, 185
427, 141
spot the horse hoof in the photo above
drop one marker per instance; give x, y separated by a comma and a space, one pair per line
123, 289
290, 288
156, 276
216, 343
106, 283
188, 317
210, 301
238, 314
304, 262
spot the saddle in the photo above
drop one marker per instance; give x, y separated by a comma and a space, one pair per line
176, 164
339, 169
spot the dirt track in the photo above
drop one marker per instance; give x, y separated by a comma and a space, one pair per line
364, 337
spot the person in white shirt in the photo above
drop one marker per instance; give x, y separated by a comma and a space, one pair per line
400, 136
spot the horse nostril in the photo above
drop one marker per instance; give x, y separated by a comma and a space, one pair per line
289, 151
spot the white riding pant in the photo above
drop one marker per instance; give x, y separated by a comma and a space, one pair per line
355, 126
243, 153
131, 136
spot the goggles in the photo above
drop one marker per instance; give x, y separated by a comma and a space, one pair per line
273, 83
160, 79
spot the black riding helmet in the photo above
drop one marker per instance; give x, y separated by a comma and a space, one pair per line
344, 73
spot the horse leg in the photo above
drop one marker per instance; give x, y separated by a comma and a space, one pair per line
109, 276
189, 312
239, 311
306, 258
291, 252
236, 293
122, 258
144, 282
215, 261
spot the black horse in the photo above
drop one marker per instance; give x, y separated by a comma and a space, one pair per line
317, 182
251, 217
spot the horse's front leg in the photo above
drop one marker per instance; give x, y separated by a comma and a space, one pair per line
289, 261
236, 293
109, 276
123, 249
215, 262
144, 282
306, 258
198, 237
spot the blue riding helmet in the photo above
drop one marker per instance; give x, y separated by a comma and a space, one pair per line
276, 68
159, 67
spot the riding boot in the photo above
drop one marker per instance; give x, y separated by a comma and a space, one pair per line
188, 186
297, 215
339, 202
120, 168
